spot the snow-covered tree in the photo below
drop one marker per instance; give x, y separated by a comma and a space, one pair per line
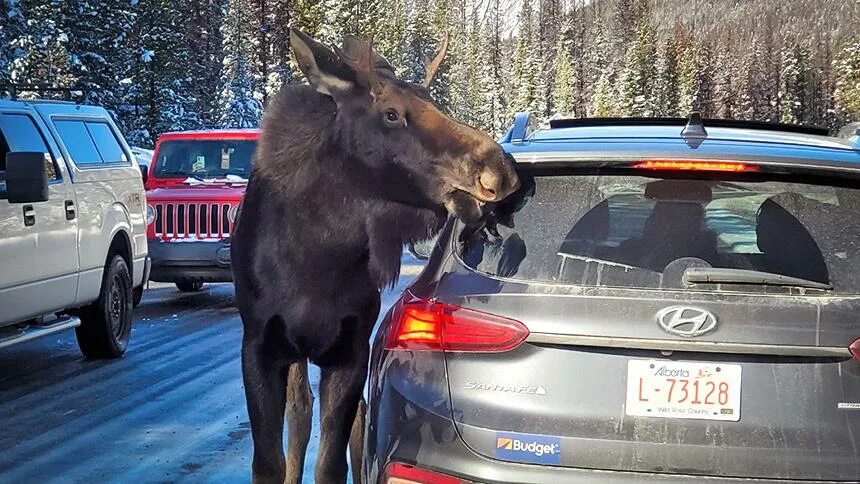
794, 82
526, 64
846, 68
564, 85
604, 103
241, 107
494, 115
206, 55
638, 79
42, 46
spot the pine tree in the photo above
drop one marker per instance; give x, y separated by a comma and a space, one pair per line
668, 88
794, 83
240, 108
206, 55
604, 105
526, 64
846, 69
42, 47
704, 100
10, 32
494, 95
638, 76
688, 73
564, 85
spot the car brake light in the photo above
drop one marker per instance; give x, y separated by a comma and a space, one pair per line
418, 324
397, 473
695, 165
854, 348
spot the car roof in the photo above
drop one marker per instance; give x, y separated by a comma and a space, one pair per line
641, 139
212, 134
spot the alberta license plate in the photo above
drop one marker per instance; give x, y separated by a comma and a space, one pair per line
683, 390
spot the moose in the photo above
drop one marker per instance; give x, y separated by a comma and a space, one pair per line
348, 169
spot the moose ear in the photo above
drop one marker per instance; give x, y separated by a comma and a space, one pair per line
324, 70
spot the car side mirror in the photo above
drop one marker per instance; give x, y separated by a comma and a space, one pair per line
26, 177
144, 172
422, 250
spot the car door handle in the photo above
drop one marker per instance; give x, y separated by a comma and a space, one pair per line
29, 216
70, 210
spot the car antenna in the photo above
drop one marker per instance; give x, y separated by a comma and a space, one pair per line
694, 132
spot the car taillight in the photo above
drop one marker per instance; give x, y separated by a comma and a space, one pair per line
854, 348
695, 165
397, 473
418, 324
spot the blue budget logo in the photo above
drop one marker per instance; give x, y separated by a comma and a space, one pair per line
537, 449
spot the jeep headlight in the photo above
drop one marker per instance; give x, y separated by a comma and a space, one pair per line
150, 214
233, 214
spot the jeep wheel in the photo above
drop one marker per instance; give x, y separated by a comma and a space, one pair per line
188, 286
137, 295
106, 324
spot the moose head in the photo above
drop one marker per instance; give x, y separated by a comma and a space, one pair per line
408, 150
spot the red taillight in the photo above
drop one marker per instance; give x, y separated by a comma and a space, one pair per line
854, 348
397, 473
431, 326
696, 165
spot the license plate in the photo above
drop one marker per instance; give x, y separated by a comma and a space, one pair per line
683, 390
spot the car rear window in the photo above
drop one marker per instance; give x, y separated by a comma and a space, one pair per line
635, 231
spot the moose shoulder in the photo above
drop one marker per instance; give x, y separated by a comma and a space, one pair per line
347, 170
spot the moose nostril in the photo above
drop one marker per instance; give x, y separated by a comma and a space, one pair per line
489, 181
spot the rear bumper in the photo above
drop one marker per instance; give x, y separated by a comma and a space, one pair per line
190, 261
399, 430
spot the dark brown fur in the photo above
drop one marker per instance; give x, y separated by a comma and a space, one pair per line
336, 191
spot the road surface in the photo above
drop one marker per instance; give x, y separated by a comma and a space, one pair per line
171, 410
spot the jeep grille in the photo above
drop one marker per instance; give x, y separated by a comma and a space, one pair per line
192, 220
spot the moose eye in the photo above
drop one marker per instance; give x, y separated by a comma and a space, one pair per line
392, 116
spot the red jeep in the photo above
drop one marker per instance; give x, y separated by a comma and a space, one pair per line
194, 185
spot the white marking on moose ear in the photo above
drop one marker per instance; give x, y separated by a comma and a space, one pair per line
309, 53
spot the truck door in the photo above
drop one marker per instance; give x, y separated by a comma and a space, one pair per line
38, 241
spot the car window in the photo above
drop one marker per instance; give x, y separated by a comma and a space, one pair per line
204, 158
18, 132
78, 142
106, 142
630, 231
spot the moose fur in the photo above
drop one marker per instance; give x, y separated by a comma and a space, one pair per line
339, 185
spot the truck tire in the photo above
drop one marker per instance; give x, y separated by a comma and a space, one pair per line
189, 286
106, 323
137, 295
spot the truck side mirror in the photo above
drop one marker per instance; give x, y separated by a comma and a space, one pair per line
144, 172
26, 177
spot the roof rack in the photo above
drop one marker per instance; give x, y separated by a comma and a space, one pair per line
15, 89
683, 122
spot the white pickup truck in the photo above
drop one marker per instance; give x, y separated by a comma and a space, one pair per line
73, 250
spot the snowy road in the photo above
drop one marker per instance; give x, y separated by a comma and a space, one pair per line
172, 410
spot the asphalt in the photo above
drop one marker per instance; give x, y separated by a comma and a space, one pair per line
171, 410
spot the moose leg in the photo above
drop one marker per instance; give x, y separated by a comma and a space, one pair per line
356, 441
265, 379
340, 391
300, 402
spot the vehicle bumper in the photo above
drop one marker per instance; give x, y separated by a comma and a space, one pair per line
399, 430
195, 261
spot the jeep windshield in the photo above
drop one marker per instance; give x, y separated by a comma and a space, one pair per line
204, 159
726, 232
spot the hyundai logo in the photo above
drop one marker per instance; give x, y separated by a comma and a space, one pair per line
686, 321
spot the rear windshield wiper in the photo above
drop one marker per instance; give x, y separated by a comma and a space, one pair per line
698, 275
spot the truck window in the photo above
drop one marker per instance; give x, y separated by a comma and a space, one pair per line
18, 132
79, 143
106, 142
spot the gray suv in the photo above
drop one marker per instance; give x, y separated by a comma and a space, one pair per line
663, 300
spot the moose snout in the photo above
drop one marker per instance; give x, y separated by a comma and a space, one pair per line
494, 184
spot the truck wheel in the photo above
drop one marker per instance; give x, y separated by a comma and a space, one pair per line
137, 295
106, 324
189, 286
